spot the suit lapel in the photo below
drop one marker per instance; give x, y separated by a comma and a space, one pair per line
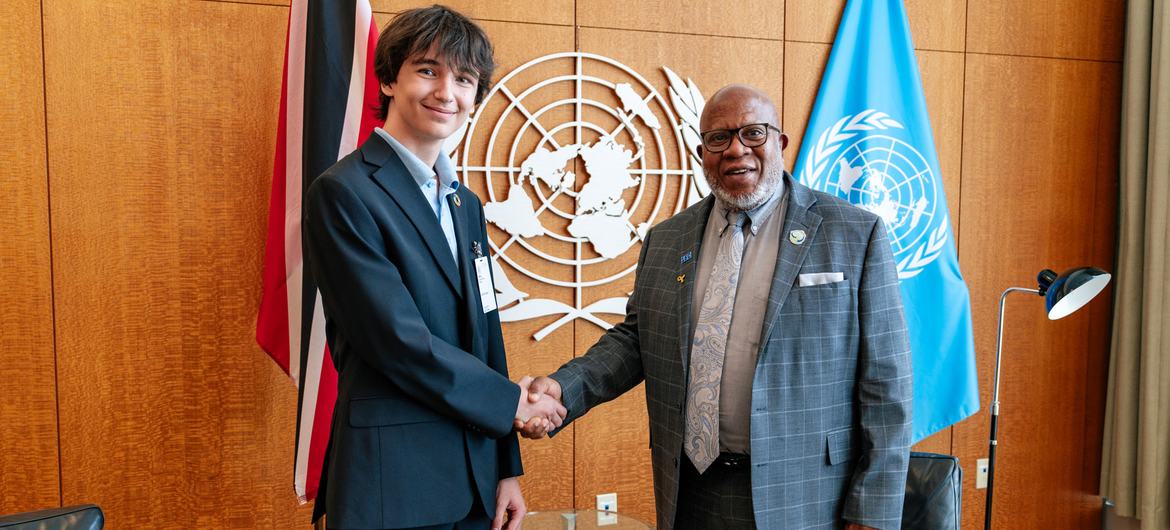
464, 238
791, 254
394, 178
689, 241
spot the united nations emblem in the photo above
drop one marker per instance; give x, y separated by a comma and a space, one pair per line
582, 156
865, 159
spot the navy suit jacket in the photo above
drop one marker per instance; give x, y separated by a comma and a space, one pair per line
423, 421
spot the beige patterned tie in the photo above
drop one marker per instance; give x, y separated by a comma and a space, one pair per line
702, 430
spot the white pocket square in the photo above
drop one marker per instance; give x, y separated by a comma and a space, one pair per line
820, 278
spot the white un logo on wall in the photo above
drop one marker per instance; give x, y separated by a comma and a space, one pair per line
863, 159
575, 156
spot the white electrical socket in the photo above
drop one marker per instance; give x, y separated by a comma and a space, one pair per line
981, 466
607, 509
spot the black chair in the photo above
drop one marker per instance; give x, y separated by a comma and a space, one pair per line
934, 493
80, 517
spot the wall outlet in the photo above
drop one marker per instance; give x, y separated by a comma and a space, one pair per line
981, 474
607, 509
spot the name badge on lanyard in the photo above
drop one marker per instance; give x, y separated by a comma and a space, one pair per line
483, 277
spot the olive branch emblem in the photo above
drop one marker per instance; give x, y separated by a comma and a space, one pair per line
814, 174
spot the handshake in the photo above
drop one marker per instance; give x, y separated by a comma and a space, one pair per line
539, 410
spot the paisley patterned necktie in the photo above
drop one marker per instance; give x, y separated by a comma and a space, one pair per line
701, 437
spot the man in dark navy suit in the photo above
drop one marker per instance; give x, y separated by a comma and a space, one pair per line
422, 430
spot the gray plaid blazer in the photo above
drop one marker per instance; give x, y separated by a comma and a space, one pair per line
830, 425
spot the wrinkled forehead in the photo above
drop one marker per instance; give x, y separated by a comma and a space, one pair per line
732, 111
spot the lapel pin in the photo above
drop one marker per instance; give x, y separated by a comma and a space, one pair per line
796, 237
682, 278
685, 258
455, 199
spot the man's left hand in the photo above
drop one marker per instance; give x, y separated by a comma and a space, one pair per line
509, 505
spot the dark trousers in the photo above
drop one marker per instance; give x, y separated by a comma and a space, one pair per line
719, 499
476, 519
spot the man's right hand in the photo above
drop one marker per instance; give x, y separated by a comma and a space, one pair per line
544, 386
538, 410
540, 389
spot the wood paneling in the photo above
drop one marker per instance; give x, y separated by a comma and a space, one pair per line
161, 135
28, 390
558, 12
155, 168
1073, 29
711, 62
756, 19
1034, 144
1104, 250
805, 64
934, 24
942, 85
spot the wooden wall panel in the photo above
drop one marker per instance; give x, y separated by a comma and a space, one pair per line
555, 12
28, 390
1034, 142
757, 19
171, 417
934, 24
1104, 236
804, 65
711, 62
161, 135
1073, 29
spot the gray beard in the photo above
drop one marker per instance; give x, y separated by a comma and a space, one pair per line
773, 178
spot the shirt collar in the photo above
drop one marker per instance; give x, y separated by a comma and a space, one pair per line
417, 168
757, 216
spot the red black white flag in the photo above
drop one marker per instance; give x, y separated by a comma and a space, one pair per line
328, 102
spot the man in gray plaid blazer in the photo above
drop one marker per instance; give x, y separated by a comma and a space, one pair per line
794, 413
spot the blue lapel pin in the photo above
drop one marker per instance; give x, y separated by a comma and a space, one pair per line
685, 258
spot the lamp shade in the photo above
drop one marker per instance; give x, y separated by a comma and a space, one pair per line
1072, 289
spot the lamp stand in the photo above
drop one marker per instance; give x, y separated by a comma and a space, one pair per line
995, 404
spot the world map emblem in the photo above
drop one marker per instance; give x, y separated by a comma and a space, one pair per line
575, 156
865, 159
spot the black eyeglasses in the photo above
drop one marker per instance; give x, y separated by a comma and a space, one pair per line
751, 135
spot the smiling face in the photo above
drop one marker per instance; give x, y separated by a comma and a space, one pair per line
429, 100
743, 177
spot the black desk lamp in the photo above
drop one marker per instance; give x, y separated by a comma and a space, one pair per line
1064, 294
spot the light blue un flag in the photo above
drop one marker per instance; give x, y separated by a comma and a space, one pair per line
869, 142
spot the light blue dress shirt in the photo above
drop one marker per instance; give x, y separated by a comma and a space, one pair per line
425, 178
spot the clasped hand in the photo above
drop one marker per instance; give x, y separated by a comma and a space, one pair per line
539, 410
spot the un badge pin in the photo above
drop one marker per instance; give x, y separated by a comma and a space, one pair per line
796, 237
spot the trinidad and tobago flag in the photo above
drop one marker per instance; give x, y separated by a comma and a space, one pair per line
328, 102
